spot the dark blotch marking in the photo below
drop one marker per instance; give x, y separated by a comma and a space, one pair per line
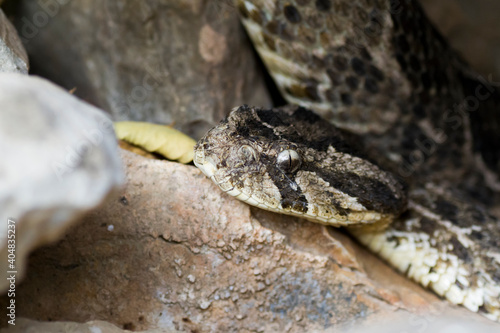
273, 27
243, 10
248, 126
331, 96
292, 14
365, 54
394, 239
318, 62
427, 226
308, 91
300, 205
290, 199
335, 77
346, 99
295, 90
371, 85
477, 235
311, 90
323, 5
447, 210
376, 73
318, 134
340, 63
303, 114
358, 66
460, 251
256, 16
352, 82
370, 192
338, 208
269, 41
271, 118
285, 32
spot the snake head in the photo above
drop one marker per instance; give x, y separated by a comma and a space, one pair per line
291, 161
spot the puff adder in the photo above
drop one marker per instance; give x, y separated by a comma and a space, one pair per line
408, 134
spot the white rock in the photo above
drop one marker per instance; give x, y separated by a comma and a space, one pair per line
59, 159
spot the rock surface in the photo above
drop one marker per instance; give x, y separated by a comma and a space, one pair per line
174, 252
183, 62
25, 325
13, 57
59, 160
444, 324
471, 27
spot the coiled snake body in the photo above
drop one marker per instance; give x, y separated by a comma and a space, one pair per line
406, 110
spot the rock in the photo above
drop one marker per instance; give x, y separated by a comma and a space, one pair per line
26, 325
183, 62
447, 324
432, 324
59, 160
470, 27
174, 252
13, 57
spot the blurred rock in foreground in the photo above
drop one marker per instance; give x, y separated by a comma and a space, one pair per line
59, 160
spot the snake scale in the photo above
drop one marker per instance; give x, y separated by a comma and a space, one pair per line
403, 145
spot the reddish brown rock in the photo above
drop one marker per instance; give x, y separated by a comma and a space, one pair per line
174, 252
25, 325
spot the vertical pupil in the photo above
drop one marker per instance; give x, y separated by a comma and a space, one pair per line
288, 160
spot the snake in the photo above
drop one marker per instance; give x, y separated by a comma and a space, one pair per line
388, 132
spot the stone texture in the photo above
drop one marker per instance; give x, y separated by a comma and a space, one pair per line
25, 325
443, 324
182, 62
471, 27
174, 252
59, 160
13, 57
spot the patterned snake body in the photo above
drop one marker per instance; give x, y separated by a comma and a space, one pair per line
384, 76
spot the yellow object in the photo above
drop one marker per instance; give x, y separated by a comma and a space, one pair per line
160, 139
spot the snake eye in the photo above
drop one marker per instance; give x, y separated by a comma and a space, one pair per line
247, 153
288, 160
